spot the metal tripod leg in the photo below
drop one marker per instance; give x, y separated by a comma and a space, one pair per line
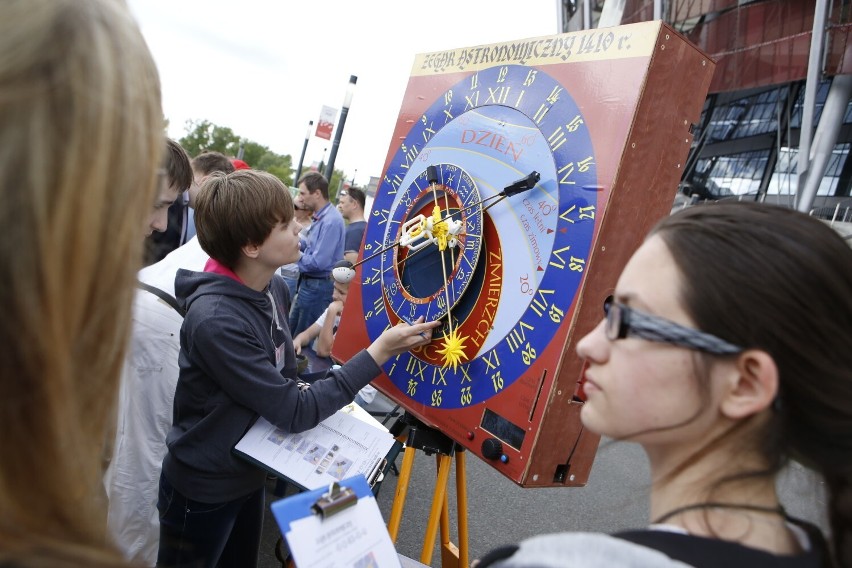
453, 556
401, 492
461, 511
439, 509
428, 441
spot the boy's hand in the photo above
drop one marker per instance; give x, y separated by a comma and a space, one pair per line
403, 337
297, 345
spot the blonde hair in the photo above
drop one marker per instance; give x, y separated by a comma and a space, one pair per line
80, 141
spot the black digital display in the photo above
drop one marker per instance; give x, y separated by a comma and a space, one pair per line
503, 429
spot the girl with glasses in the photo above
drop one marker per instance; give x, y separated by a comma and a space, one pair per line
724, 352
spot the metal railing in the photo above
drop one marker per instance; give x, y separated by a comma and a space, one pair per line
839, 212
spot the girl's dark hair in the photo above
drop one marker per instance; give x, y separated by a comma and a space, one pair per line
774, 279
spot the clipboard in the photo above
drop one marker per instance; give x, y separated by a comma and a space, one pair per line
336, 526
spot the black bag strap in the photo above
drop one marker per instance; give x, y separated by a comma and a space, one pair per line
164, 296
703, 552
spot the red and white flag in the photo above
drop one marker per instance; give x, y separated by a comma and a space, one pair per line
326, 122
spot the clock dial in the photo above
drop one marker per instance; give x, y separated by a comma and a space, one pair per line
516, 273
437, 223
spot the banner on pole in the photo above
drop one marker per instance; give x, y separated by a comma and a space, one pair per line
326, 122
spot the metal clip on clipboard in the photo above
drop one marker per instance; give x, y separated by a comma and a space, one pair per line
335, 500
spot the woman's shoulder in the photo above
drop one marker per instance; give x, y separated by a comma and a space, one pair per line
589, 550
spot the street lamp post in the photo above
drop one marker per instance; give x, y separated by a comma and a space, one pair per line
304, 149
350, 90
321, 167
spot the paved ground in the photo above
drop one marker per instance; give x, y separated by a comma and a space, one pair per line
500, 512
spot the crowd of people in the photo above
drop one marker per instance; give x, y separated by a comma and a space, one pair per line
124, 389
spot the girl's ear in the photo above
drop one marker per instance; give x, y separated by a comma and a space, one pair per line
753, 385
251, 251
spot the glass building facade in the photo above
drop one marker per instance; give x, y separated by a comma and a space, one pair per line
746, 145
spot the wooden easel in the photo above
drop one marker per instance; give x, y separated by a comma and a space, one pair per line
430, 441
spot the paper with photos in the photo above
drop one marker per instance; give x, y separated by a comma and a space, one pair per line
348, 443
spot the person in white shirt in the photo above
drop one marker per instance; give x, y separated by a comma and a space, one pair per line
146, 394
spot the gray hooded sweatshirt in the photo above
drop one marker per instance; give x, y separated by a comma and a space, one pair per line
237, 362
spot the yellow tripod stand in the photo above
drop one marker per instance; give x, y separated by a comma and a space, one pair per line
431, 441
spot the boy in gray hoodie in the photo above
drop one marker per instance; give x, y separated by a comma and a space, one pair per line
237, 363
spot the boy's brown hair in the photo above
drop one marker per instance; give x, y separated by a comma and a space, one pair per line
238, 209
208, 162
177, 165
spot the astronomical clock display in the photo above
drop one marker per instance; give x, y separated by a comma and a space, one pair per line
520, 178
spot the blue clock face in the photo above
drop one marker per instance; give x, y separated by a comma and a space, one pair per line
510, 286
422, 278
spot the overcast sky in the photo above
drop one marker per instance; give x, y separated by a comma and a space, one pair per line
265, 68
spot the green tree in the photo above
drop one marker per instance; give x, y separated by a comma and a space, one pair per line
334, 184
276, 164
203, 136
253, 154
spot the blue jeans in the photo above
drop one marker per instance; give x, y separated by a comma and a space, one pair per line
206, 535
291, 279
312, 299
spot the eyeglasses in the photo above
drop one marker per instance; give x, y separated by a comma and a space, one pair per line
343, 192
622, 322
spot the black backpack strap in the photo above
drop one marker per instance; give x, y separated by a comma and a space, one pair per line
705, 552
164, 296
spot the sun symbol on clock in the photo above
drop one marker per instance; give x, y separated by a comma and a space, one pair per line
453, 349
